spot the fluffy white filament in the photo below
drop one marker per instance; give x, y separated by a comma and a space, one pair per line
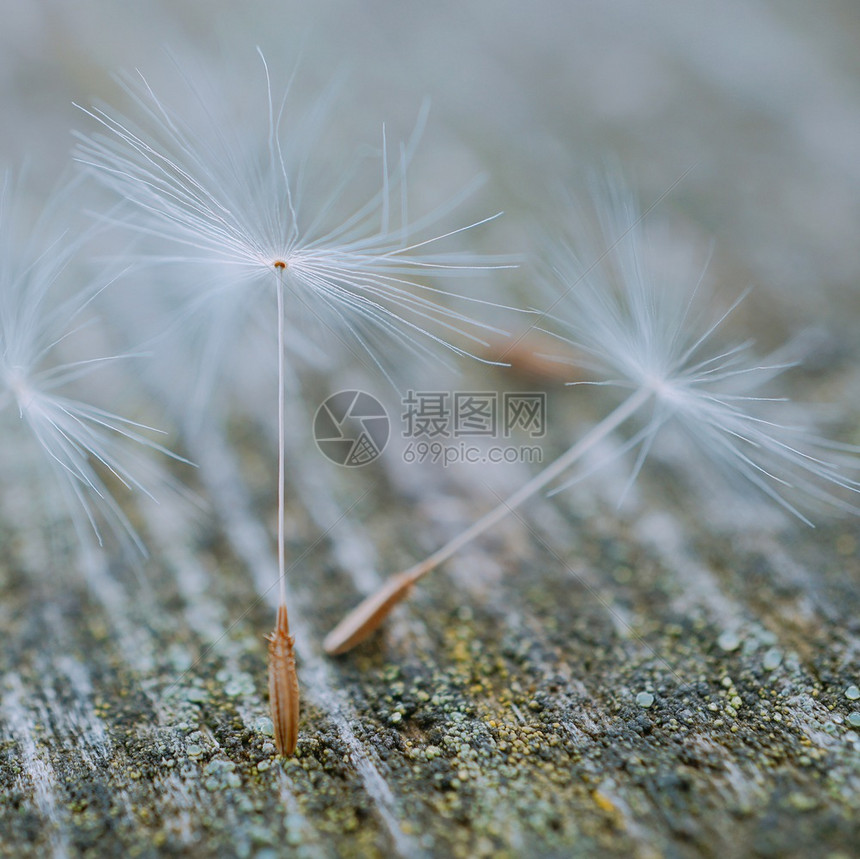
206, 191
80, 443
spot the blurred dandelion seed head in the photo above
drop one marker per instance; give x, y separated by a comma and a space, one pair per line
639, 331
44, 298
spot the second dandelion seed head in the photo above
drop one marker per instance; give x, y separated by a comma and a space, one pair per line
640, 330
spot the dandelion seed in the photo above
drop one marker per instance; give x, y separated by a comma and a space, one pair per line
78, 441
218, 200
638, 335
283, 685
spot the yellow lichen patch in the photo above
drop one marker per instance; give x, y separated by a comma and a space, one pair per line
603, 802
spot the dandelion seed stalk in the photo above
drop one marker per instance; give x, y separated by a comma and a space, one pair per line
368, 615
283, 680
637, 332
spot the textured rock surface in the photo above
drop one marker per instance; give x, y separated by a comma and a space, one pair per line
579, 685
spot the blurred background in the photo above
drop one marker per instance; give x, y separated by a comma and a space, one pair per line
502, 713
758, 98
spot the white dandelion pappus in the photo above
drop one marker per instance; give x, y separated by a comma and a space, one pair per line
638, 334
242, 199
240, 202
650, 337
79, 442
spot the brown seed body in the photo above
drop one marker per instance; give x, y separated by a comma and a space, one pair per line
537, 358
283, 685
368, 615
